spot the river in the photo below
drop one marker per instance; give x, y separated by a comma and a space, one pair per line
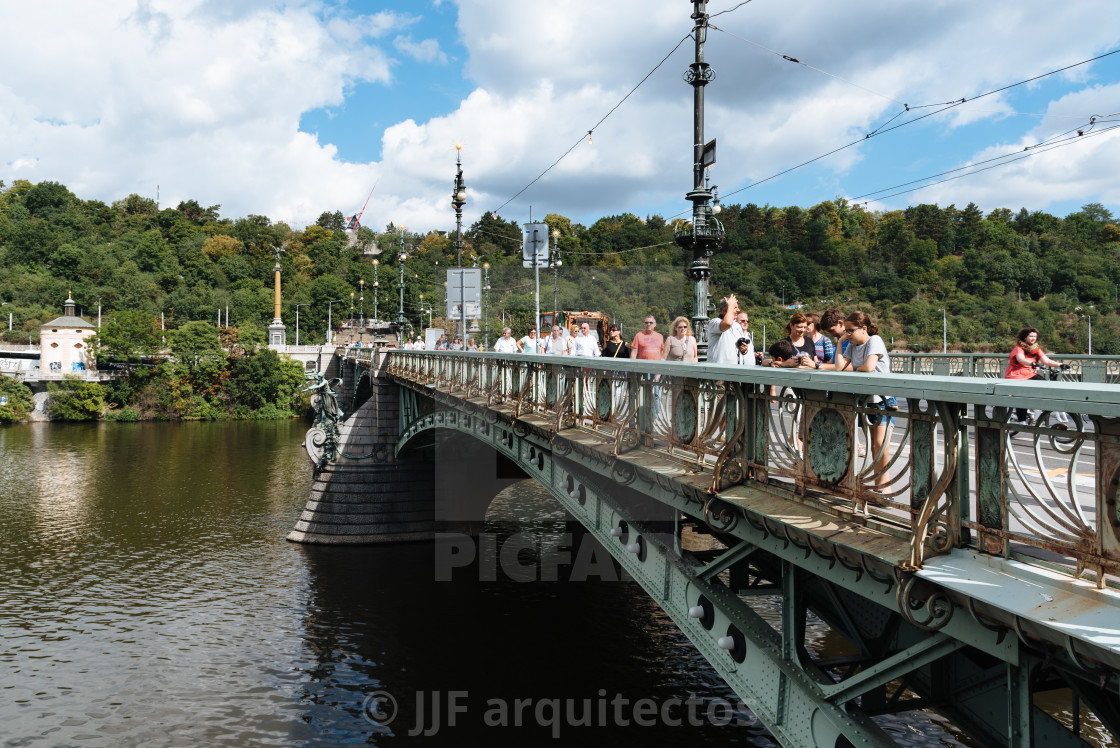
149, 598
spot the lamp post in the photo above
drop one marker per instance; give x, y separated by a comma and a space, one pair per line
330, 328
705, 235
458, 200
555, 263
944, 331
361, 309
98, 316
297, 320
403, 256
486, 305
375, 292
350, 324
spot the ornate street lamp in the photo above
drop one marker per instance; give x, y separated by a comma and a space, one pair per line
458, 200
361, 309
350, 325
486, 305
555, 263
401, 258
375, 292
705, 235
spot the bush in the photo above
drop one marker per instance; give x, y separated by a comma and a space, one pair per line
19, 400
124, 415
75, 400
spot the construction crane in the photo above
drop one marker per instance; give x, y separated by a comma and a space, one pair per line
353, 223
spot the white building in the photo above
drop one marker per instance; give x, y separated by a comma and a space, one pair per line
64, 344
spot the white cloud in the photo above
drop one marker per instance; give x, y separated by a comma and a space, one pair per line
425, 51
205, 99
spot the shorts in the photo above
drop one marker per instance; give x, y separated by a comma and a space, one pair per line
876, 419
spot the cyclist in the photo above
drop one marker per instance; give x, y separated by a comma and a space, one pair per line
1024, 356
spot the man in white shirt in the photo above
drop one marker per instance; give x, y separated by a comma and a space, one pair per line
556, 344
723, 332
506, 343
584, 343
744, 354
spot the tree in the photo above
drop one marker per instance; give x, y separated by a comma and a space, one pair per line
264, 378
19, 400
219, 246
126, 334
194, 343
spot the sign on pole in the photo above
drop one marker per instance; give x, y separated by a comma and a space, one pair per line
464, 293
534, 245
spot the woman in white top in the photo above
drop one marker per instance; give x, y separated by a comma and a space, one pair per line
867, 352
529, 343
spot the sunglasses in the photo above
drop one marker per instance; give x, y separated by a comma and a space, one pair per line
650, 322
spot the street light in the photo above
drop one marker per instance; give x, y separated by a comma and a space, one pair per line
350, 325
555, 263
297, 319
1088, 316
330, 329
486, 305
944, 331
375, 291
362, 310
403, 256
458, 200
98, 316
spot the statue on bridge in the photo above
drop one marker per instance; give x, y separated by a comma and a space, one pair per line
321, 441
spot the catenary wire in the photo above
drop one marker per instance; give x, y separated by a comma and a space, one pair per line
1004, 161
596, 125
882, 130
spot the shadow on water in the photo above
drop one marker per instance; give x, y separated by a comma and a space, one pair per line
570, 652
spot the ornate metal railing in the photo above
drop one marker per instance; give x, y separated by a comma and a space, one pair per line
950, 468
1091, 369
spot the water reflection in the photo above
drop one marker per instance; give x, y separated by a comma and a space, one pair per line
150, 598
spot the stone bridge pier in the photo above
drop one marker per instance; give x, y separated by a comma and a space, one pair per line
367, 494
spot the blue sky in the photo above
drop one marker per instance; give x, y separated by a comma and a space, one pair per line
290, 108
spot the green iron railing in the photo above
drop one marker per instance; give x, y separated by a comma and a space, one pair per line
954, 469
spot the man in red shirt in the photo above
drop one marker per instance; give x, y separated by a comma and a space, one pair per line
647, 343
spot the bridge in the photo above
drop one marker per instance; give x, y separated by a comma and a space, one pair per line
968, 566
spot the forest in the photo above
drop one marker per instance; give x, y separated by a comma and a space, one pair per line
154, 271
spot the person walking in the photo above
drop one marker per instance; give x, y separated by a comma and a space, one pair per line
529, 343
681, 343
557, 344
506, 343
584, 343
648, 342
615, 347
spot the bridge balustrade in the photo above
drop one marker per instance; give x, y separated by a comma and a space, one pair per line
955, 472
1088, 369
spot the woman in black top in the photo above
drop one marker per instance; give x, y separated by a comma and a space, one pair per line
797, 335
615, 347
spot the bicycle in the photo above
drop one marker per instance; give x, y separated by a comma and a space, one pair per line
1057, 420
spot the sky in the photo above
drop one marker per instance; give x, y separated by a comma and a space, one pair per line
289, 109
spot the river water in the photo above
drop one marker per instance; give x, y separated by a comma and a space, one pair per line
149, 598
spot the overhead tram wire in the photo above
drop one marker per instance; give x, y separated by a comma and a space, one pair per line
729, 10
882, 129
596, 125
1004, 160
593, 254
